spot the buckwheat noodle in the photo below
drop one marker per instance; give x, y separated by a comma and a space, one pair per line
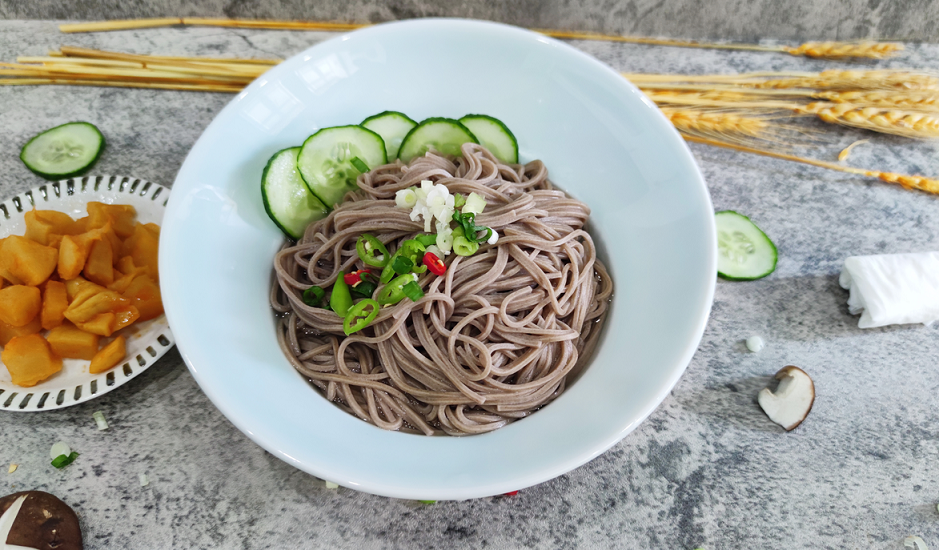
493, 340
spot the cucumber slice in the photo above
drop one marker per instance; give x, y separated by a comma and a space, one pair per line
392, 126
287, 199
443, 135
744, 252
325, 161
493, 135
63, 151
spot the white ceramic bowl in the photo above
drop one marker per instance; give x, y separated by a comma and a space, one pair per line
601, 140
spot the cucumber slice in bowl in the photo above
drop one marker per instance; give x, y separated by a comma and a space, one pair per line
287, 199
63, 151
326, 160
744, 251
392, 126
443, 135
493, 135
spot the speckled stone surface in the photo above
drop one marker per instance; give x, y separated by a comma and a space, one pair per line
722, 19
707, 469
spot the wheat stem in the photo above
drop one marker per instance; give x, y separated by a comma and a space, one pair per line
827, 50
718, 99
929, 185
125, 24
120, 84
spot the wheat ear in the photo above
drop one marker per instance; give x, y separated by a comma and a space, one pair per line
918, 100
716, 123
910, 124
845, 50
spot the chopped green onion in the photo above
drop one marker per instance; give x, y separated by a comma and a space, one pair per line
331, 485
428, 501
365, 289
467, 222
413, 291
463, 247
359, 165
100, 421
426, 240
313, 296
144, 480
402, 265
458, 200
60, 448
62, 461
475, 204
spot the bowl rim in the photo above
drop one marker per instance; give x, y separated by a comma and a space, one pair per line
391, 489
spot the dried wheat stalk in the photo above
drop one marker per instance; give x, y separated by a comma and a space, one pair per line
893, 79
928, 185
858, 80
823, 50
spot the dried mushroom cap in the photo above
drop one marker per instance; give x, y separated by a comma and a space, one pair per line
40, 521
791, 402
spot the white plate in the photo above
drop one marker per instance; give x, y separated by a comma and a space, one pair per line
600, 138
146, 342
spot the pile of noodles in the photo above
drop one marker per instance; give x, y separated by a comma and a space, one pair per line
493, 340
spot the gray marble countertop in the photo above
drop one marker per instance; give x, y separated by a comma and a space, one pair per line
707, 469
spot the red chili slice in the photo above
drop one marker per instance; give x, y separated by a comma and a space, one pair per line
434, 264
356, 277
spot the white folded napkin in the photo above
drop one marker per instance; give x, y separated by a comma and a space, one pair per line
893, 289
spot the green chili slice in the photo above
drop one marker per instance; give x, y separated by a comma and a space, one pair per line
341, 299
388, 273
372, 251
360, 316
313, 296
412, 249
393, 292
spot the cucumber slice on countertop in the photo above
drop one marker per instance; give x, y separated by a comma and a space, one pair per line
287, 199
493, 135
325, 160
443, 135
744, 252
392, 126
63, 151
